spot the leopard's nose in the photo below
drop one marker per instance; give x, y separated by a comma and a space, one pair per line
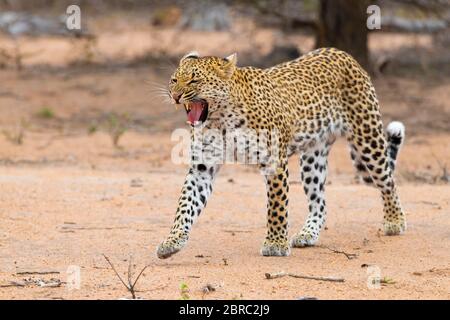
176, 96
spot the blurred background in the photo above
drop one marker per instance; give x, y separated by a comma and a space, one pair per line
107, 77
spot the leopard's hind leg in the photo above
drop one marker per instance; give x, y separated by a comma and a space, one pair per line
374, 157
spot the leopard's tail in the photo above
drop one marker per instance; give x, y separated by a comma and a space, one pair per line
395, 134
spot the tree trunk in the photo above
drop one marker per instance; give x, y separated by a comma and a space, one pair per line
342, 24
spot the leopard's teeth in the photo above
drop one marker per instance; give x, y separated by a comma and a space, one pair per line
187, 107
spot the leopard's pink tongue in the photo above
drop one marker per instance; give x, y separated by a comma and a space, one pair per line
195, 113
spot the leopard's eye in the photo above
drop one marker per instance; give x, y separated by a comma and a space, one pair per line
173, 80
193, 81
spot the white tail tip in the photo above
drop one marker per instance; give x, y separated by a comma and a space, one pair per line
396, 129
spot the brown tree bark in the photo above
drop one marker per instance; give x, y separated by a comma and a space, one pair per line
342, 24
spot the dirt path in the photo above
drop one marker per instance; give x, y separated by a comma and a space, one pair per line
57, 215
67, 196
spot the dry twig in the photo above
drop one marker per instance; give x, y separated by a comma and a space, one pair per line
21, 273
13, 284
348, 255
283, 274
130, 285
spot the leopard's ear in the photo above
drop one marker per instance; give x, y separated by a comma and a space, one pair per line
230, 65
232, 58
190, 55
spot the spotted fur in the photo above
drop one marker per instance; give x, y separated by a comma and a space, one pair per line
309, 101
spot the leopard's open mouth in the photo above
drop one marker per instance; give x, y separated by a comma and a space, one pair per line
197, 111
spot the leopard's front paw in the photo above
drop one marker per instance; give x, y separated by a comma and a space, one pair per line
275, 248
304, 239
168, 248
394, 228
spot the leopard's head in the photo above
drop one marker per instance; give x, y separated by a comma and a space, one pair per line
201, 84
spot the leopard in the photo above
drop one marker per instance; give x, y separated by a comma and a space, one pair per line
309, 102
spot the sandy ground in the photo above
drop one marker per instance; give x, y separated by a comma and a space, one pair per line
54, 217
79, 198
67, 197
